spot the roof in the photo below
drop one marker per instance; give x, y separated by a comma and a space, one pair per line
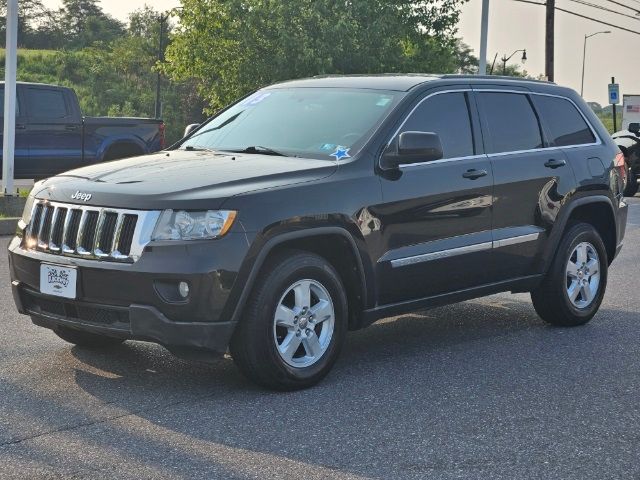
393, 81
38, 84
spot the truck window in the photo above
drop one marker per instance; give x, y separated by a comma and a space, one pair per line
511, 122
46, 103
2, 104
447, 115
565, 124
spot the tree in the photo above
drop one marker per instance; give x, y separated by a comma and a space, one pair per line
234, 46
84, 23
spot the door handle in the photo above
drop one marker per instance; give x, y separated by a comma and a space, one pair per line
71, 128
555, 163
21, 126
474, 174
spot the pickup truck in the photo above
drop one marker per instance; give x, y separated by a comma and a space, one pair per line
52, 135
629, 143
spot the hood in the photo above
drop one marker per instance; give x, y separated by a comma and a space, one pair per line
180, 179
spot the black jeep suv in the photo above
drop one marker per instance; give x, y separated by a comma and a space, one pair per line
318, 206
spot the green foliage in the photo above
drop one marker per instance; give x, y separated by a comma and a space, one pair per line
234, 46
607, 120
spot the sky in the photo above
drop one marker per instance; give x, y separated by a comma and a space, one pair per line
514, 25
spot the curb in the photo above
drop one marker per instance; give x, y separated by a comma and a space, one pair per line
8, 226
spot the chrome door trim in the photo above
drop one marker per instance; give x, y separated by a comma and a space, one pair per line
453, 252
491, 155
505, 242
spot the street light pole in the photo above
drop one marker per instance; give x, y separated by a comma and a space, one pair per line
11, 66
505, 59
584, 56
484, 33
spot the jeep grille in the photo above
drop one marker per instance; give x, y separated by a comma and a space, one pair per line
97, 233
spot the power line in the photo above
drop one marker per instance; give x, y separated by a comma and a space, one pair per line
582, 16
624, 6
598, 21
600, 7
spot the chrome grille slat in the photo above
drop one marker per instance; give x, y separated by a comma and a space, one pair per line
96, 233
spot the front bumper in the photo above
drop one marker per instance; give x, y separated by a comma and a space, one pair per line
136, 322
131, 301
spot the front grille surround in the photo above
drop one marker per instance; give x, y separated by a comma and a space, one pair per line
96, 233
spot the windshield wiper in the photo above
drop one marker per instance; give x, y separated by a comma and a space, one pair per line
196, 148
260, 150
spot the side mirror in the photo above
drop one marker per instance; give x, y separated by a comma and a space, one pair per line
412, 147
634, 128
190, 129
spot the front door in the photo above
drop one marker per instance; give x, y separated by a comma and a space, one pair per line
435, 220
54, 131
21, 145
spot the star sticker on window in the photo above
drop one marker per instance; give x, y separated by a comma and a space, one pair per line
341, 153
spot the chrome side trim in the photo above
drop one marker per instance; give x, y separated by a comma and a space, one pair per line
505, 242
427, 257
452, 252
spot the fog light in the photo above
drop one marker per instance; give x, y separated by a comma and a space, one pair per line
183, 289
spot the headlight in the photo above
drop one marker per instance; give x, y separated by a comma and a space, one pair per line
183, 225
28, 208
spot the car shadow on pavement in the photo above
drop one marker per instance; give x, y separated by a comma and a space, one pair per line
443, 381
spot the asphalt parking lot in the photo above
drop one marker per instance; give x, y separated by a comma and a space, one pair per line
482, 389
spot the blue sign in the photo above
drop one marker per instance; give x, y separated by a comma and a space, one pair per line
614, 94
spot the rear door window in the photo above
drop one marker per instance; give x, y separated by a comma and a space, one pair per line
510, 121
446, 114
565, 125
46, 103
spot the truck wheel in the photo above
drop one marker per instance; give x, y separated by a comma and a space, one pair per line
86, 339
294, 325
574, 287
632, 183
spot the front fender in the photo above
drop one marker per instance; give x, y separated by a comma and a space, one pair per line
263, 246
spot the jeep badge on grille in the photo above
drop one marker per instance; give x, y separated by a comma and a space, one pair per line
85, 197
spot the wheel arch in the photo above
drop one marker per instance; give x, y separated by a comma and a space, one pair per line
597, 211
322, 241
129, 143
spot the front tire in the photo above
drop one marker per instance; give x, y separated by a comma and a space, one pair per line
294, 325
86, 339
571, 293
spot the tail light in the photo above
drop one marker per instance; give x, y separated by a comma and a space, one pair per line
621, 166
163, 141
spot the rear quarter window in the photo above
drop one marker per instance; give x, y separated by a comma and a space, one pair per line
564, 123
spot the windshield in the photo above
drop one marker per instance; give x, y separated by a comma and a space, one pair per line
305, 122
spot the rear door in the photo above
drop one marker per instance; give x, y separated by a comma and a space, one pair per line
54, 130
21, 156
531, 180
435, 221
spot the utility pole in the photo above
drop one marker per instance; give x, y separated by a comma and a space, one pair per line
549, 40
162, 20
484, 33
11, 64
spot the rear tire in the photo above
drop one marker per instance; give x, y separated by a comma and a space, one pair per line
571, 293
86, 339
632, 183
294, 324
